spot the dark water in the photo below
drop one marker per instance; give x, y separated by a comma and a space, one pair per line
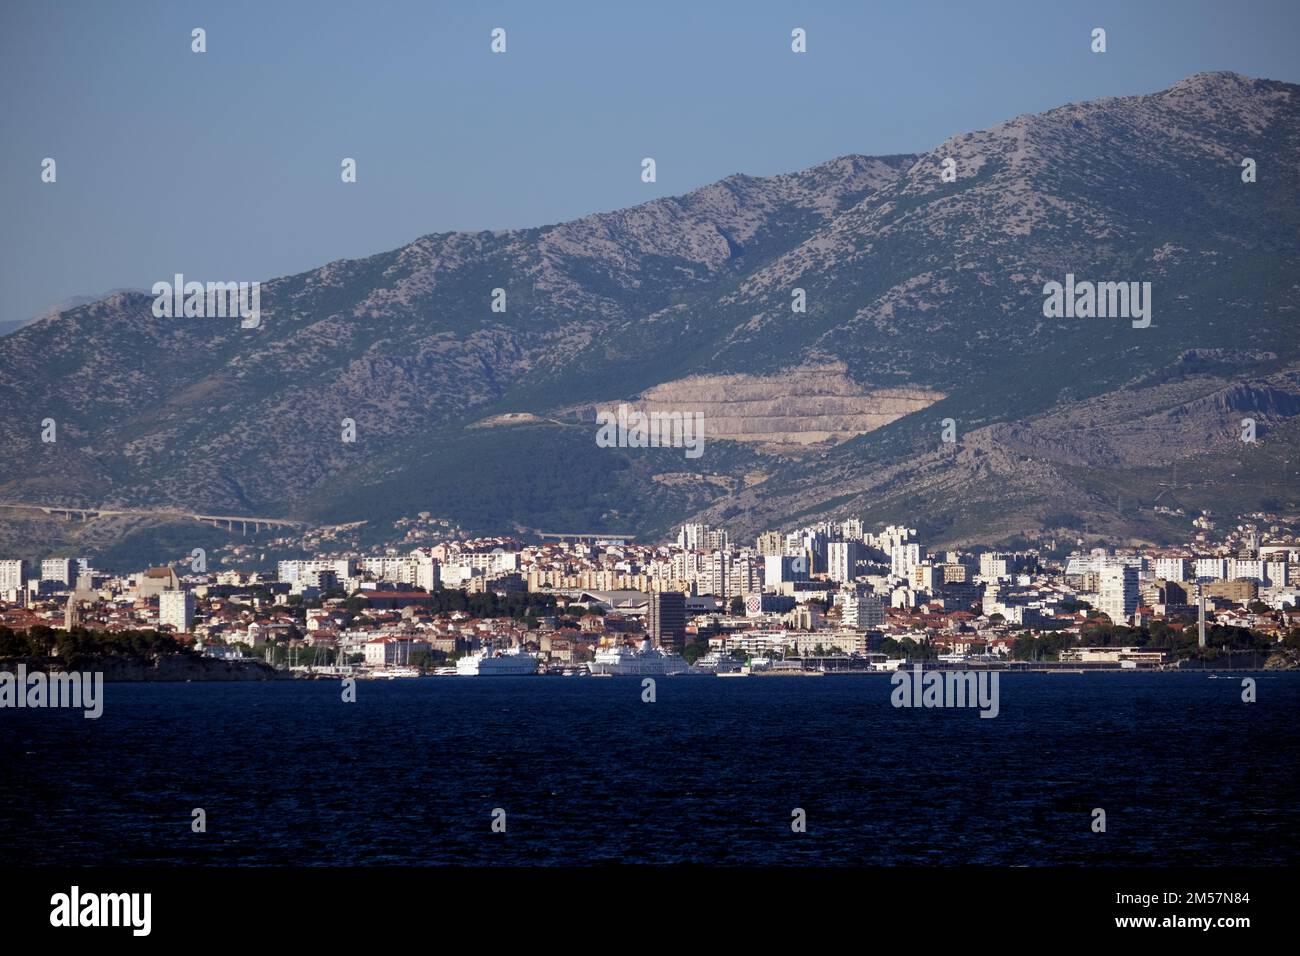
709, 773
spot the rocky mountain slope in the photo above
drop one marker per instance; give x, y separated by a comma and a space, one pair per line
924, 302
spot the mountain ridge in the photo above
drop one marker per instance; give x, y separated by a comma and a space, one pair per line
911, 282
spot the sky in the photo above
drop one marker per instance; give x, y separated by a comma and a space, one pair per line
225, 165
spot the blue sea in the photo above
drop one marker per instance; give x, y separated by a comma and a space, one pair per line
711, 772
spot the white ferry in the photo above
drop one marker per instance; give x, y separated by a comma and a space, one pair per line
715, 663
487, 663
647, 662
389, 673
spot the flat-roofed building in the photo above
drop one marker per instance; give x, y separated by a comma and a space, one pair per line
1118, 587
154, 581
666, 619
1134, 656
176, 609
13, 577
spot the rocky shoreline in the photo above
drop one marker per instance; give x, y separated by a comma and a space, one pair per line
167, 668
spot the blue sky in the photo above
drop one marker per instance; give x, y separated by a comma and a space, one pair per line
225, 165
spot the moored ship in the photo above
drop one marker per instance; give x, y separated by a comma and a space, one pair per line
716, 663
488, 663
647, 662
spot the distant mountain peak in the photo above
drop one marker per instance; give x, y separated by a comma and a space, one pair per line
910, 281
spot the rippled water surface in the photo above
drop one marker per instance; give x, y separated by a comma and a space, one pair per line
587, 773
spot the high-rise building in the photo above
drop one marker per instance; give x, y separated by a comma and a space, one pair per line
1118, 587
1249, 568
13, 576
1211, 569
860, 608
926, 577
666, 619
176, 608
700, 537
851, 529
954, 573
1171, 569
994, 566
58, 570
398, 569
687, 566
427, 572
891, 537
779, 568
904, 557
842, 559
746, 575
714, 575
770, 542
290, 571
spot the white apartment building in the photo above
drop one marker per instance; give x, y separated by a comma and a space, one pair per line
176, 608
926, 577
1211, 569
489, 562
700, 537
322, 579
1118, 598
860, 608
780, 568
427, 571
904, 557
851, 529
714, 575
842, 559
892, 537
753, 643
1251, 568
1171, 569
686, 566
746, 575
13, 577
400, 570
994, 566
455, 575
58, 569
292, 571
